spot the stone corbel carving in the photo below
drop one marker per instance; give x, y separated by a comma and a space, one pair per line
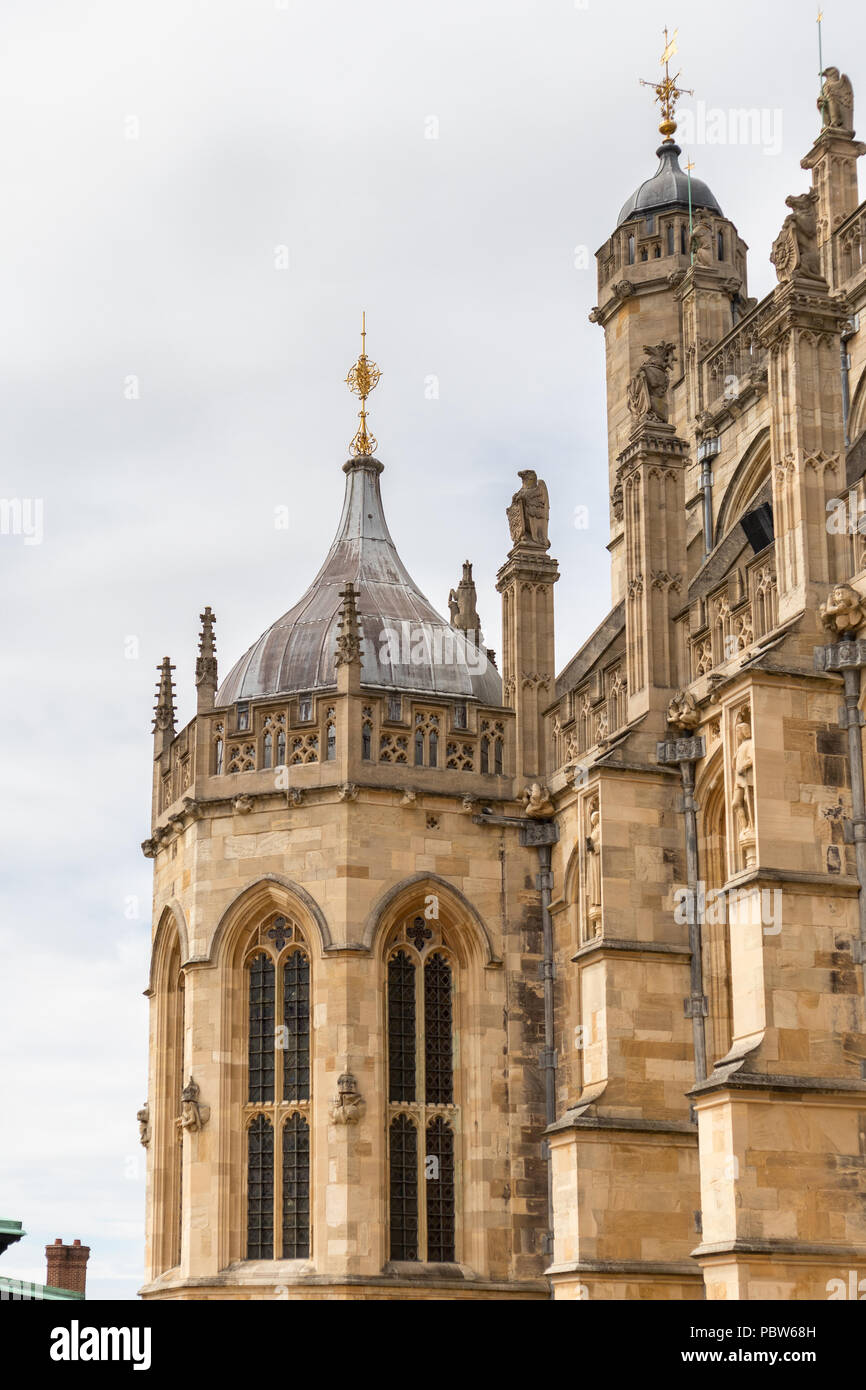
467, 805
242, 804
143, 1117
348, 792
149, 848
409, 797
844, 612
194, 1115
348, 1106
683, 715
537, 804
295, 795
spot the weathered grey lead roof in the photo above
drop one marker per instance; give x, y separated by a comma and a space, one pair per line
668, 188
426, 655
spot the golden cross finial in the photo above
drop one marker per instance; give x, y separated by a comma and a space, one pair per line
362, 379
667, 92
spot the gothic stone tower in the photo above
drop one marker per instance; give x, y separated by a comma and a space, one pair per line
345, 996
710, 1010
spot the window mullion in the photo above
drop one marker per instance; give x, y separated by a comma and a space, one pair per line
421, 1093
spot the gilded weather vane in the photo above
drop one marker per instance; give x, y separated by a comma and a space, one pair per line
667, 92
362, 379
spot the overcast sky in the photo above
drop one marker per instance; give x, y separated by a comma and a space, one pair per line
168, 383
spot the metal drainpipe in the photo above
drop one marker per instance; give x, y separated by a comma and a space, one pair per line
847, 332
548, 1061
707, 486
697, 999
852, 719
685, 752
849, 658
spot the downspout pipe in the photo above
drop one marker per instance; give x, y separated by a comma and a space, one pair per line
848, 332
544, 835
849, 658
684, 753
697, 1002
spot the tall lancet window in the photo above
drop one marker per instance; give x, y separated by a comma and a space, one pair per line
278, 1094
423, 1116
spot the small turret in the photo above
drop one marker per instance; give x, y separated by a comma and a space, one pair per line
348, 636
206, 662
163, 710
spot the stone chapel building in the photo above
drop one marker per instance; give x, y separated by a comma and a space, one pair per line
475, 980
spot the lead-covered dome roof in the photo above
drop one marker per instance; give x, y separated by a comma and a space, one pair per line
406, 645
668, 188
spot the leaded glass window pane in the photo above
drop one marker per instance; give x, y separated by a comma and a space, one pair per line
437, 1031
260, 1189
267, 760
485, 754
403, 1151
419, 748
296, 1020
261, 1047
439, 1174
497, 757
401, 1027
296, 1188
281, 749
434, 748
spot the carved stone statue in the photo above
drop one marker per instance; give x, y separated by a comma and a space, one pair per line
348, 1107
795, 250
743, 801
143, 1117
836, 102
194, 1116
702, 242
616, 500
537, 803
593, 859
462, 603
529, 512
844, 611
683, 712
648, 388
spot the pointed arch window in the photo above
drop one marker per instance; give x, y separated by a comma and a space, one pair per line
421, 1096
268, 751
218, 749
331, 738
439, 1189
281, 748
296, 1188
403, 1188
278, 1094
260, 1189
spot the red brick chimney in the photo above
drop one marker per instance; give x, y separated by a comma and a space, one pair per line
67, 1265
